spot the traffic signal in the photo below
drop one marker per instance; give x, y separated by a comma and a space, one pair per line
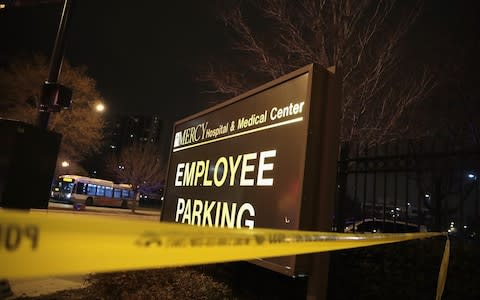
64, 99
55, 97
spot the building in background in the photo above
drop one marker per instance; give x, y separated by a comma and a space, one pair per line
123, 130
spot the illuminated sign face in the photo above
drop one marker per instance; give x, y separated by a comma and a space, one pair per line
242, 164
66, 179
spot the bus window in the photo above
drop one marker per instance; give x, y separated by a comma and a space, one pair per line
81, 188
125, 194
117, 193
132, 194
91, 189
108, 192
100, 190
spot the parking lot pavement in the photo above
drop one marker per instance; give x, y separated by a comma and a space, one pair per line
140, 213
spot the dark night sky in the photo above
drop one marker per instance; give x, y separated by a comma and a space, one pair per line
141, 53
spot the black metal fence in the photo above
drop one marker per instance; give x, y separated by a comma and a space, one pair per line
409, 186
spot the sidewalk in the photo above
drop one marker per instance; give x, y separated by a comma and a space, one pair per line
44, 286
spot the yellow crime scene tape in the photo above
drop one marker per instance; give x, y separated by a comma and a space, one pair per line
40, 244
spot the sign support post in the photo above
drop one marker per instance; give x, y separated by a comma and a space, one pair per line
324, 206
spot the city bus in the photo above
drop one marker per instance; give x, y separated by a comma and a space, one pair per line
92, 191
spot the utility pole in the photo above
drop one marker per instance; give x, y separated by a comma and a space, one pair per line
54, 96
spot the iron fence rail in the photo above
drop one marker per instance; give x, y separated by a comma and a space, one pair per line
409, 186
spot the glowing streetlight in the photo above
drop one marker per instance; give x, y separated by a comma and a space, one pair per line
100, 107
65, 164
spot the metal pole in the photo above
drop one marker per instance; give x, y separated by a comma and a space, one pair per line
47, 99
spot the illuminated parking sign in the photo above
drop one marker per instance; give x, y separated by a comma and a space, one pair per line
254, 161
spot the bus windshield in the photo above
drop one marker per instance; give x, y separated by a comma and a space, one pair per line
64, 187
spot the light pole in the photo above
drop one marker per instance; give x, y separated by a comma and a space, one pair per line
52, 92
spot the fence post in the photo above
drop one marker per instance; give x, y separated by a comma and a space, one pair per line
438, 205
342, 186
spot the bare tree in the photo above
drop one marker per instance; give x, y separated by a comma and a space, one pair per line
362, 38
140, 165
81, 128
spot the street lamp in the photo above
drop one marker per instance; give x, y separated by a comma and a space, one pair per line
65, 164
99, 107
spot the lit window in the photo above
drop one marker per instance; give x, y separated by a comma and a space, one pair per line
125, 193
108, 192
117, 193
91, 189
100, 191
